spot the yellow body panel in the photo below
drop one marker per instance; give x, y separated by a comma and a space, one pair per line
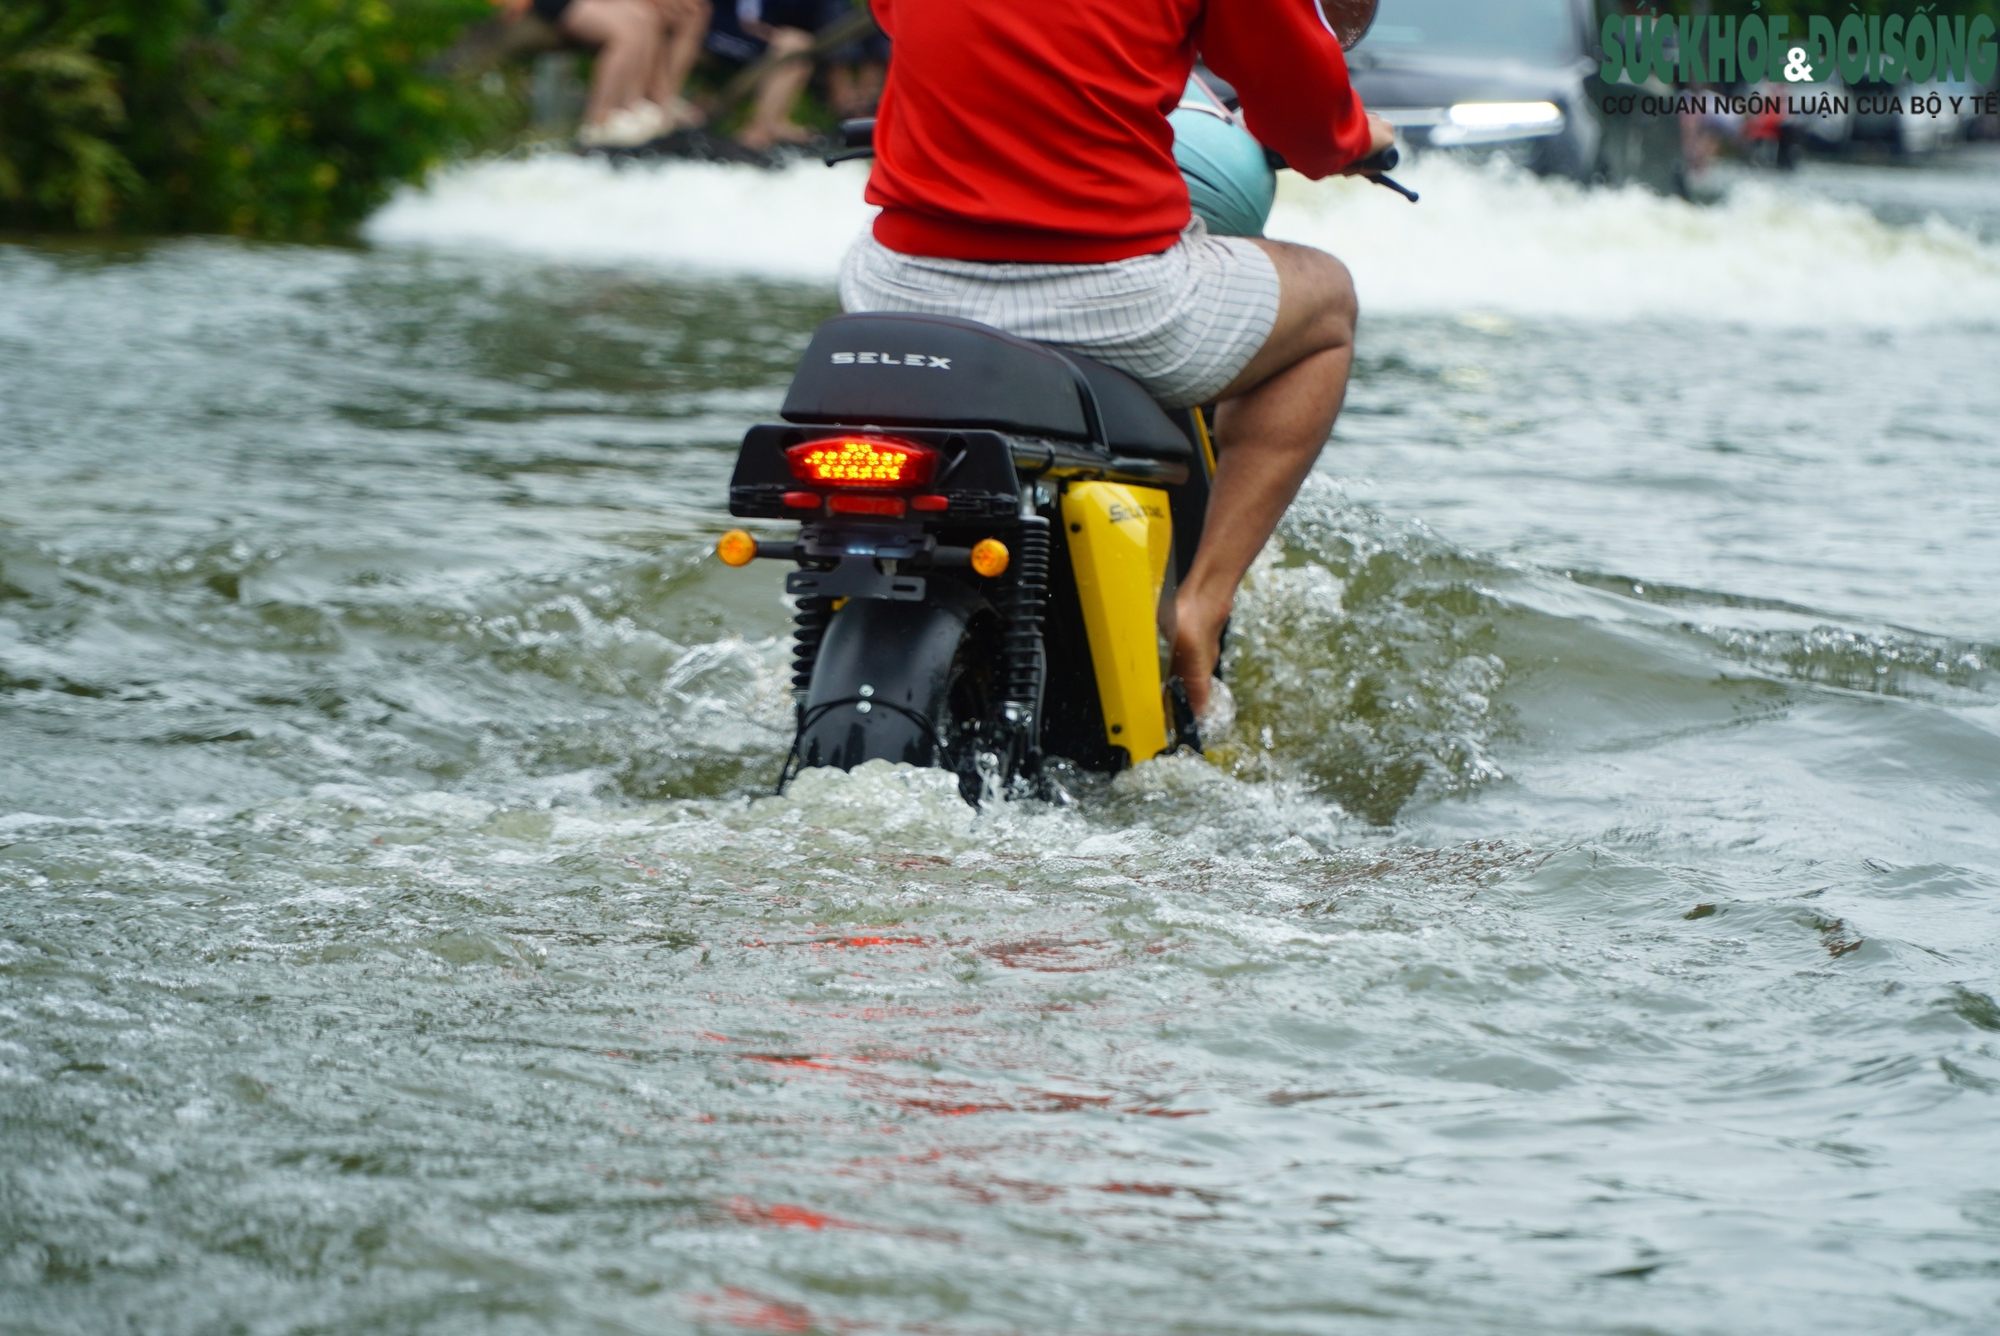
1120, 540
1207, 442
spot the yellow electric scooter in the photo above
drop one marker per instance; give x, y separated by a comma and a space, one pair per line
991, 533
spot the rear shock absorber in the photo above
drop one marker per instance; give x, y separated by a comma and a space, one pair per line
1025, 661
808, 629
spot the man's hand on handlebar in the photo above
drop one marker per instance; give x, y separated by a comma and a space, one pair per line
1381, 135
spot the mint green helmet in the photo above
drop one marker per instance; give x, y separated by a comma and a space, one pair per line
1230, 184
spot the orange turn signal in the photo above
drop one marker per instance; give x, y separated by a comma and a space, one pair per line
736, 548
989, 557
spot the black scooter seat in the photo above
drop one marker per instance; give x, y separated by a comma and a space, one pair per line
891, 370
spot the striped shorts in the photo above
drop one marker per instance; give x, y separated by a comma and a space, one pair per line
1183, 323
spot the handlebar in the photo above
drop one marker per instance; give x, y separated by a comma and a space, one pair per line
857, 140
1376, 167
1370, 168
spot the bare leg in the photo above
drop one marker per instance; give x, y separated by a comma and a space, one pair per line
854, 90
771, 114
1270, 426
678, 53
626, 34
842, 89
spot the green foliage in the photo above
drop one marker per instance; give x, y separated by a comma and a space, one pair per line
59, 105
276, 118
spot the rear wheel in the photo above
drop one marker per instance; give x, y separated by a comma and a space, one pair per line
914, 683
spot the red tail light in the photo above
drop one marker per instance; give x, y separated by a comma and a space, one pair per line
863, 461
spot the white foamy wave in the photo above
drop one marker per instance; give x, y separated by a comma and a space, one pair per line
683, 217
1483, 239
1500, 240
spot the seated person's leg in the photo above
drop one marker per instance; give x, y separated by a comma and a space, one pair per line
855, 88
685, 25
843, 91
771, 113
626, 34
853, 72
1264, 328
1270, 425
869, 78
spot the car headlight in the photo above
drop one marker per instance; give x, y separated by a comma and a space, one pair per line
1494, 122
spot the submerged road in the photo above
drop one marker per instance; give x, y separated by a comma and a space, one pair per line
1590, 926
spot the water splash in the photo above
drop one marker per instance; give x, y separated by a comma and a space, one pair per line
1485, 239
689, 219
1363, 655
1495, 239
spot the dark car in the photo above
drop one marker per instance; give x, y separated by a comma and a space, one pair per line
1518, 77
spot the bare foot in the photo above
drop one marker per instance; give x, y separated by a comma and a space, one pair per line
685, 115
1197, 647
759, 138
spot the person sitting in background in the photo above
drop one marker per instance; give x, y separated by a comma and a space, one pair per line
744, 31
645, 49
854, 73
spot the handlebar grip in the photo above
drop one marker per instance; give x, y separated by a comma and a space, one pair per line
857, 140
1385, 161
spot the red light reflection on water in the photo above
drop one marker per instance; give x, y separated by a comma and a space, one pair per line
1054, 955
793, 1060
896, 1068
754, 1312
944, 1110
863, 1067
785, 1216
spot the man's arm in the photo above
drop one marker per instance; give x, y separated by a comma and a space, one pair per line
1286, 65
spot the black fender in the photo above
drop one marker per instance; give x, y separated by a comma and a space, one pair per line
880, 679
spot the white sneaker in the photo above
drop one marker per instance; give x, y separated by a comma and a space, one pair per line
629, 127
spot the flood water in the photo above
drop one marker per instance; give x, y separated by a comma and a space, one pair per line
1589, 926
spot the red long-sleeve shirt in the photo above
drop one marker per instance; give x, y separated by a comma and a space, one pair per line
1037, 129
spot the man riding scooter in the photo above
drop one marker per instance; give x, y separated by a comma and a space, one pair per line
1026, 176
